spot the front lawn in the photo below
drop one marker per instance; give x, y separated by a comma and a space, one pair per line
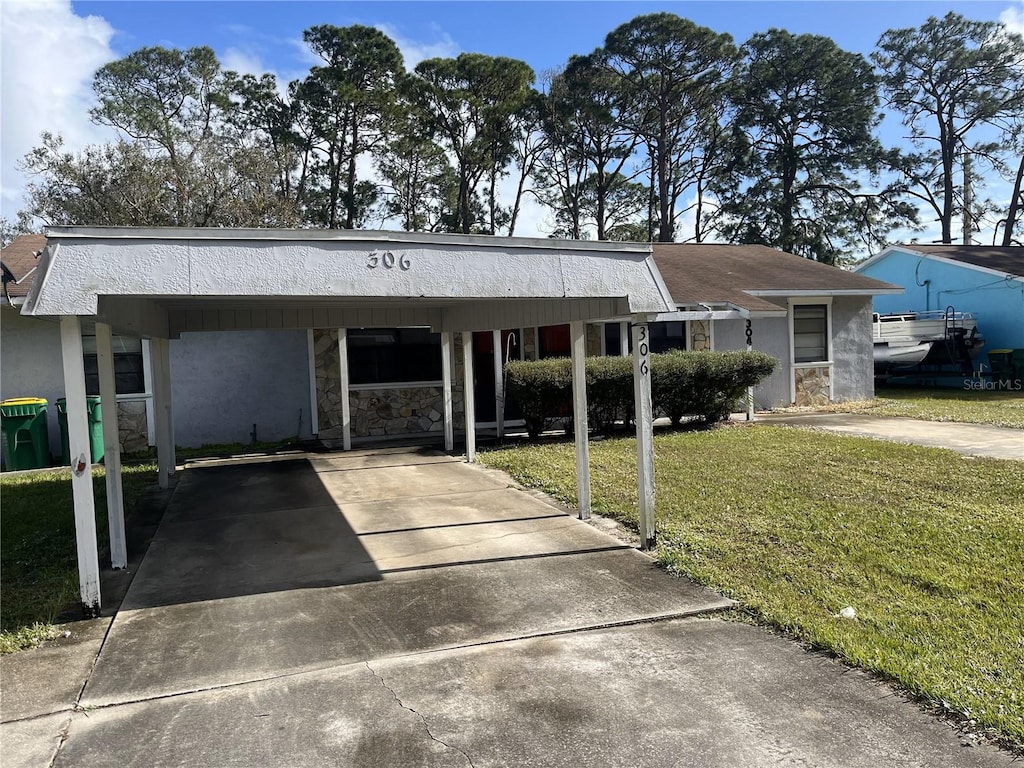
925, 545
1001, 409
37, 547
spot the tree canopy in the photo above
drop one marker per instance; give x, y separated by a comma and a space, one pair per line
667, 131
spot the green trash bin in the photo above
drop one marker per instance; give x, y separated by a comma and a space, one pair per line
95, 429
25, 432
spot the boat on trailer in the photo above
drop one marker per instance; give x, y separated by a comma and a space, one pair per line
906, 342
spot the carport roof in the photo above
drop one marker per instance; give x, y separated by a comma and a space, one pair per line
160, 282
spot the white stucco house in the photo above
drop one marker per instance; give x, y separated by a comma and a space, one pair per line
227, 335
267, 383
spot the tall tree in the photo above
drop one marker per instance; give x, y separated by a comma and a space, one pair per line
178, 160
807, 111
589, 148
673, 72
957, 84
351, 101
471, 102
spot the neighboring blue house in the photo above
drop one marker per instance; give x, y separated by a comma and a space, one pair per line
988, 281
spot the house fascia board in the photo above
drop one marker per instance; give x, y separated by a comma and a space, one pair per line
877, 257
829, 292
85, 263
340, 235
939, 260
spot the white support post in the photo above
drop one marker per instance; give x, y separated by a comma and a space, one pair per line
346, 406
111, 447
578, 335
750, 390
81, 465
499, 384
314, 410
160, 349
624, 338
469, 406
446, 387
644, 432
147, 372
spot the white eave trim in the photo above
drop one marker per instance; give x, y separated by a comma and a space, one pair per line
344, 235
829, 292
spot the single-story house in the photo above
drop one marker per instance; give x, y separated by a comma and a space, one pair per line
350, 334
268, 384
987, 281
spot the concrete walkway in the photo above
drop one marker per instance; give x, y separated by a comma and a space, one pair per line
402, 608
967, 439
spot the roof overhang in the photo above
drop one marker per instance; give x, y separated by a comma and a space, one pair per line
161, 282
827, 292
909, 250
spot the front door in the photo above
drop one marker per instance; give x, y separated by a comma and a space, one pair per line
483, 366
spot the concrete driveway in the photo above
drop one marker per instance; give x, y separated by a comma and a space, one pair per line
401, 608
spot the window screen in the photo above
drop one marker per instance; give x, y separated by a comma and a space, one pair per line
810, 333
129, 374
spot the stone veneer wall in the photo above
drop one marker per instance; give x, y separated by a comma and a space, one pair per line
529, 343
132, 428
813, 385
376, 411
594, 332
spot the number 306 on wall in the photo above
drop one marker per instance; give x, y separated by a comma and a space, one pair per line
387, 260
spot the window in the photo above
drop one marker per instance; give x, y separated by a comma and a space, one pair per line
386, 355
810, 333
129, 371
666, 336
554, 341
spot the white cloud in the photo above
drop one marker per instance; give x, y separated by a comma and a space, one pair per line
1013, 18
243, 62
49, 55
415, 51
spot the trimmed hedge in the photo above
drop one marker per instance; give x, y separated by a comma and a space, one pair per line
704, 385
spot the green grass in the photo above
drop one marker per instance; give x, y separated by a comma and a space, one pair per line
925, 545
37, 547
1001, 409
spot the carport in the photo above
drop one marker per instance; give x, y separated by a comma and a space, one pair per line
158, 283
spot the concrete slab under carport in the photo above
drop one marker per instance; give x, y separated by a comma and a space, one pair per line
690, 692
277, 567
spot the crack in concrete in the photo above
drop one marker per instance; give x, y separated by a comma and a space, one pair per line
426, 726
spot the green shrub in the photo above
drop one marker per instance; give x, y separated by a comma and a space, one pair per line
609, 391
542, 389
705, 385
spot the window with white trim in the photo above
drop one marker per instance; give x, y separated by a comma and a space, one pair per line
393, 355
129, 368
810, 333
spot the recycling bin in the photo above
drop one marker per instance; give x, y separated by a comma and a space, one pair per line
95, 429
25, 432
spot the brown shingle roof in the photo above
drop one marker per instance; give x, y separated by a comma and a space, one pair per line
708, 272
19, 256
1008, 259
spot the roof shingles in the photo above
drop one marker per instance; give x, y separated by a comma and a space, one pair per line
712, 272
19, 256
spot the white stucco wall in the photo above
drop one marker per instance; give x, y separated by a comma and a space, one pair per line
31, 364
224, 382
853, 376
771, 336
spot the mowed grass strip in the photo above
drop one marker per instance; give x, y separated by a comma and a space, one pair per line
925, 545
999, 409
38, 563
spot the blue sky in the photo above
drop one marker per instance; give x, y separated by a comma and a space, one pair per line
50, 48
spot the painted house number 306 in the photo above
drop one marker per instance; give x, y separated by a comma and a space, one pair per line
387, 260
